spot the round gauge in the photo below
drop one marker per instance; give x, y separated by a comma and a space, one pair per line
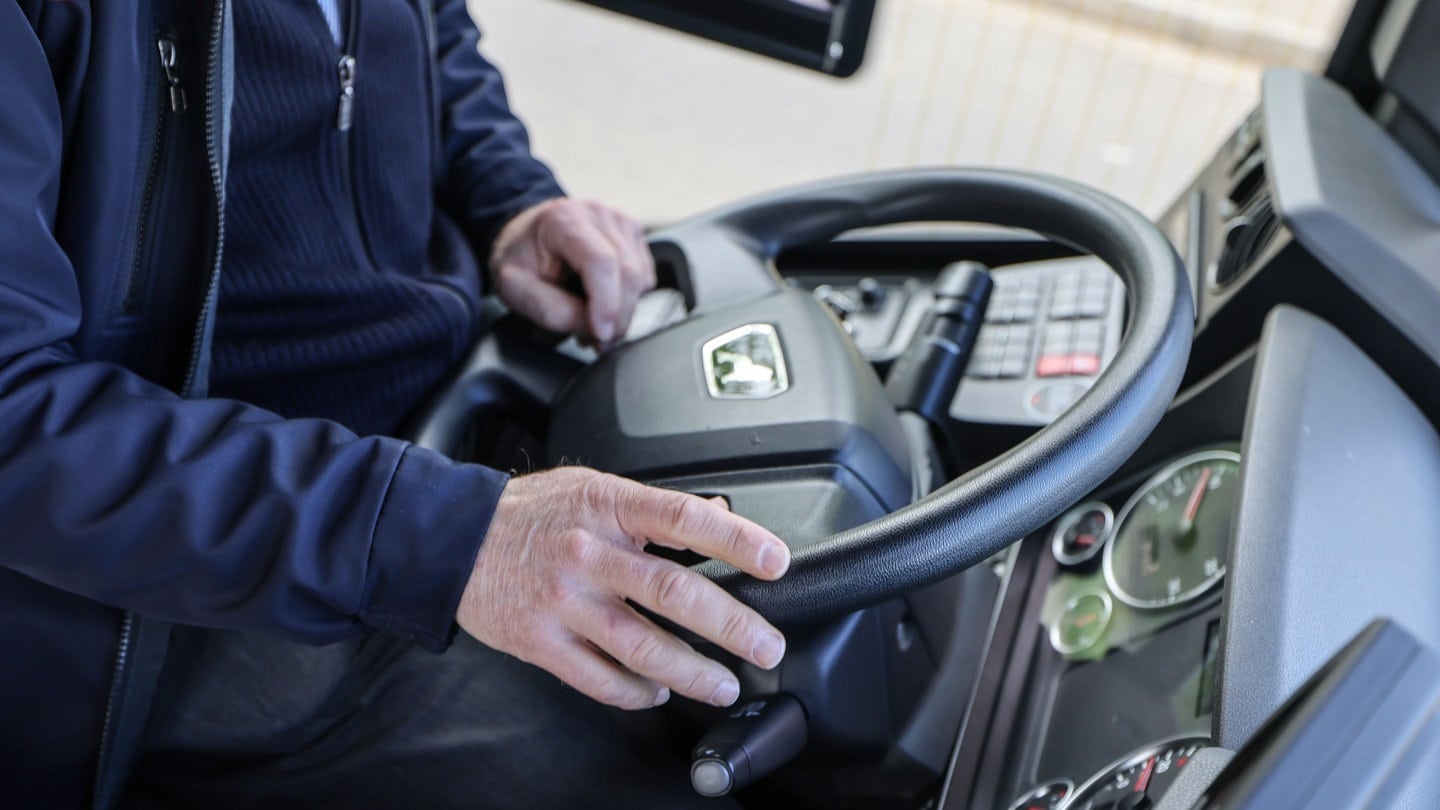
1081, 532
1138, 780
1048, 796
1082, 623
1172, 537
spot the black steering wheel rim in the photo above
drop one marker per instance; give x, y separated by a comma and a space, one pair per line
726, 257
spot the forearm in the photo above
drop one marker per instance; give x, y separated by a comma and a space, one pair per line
219, 514
490, 173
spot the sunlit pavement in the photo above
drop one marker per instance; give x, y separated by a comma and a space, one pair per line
1130, 95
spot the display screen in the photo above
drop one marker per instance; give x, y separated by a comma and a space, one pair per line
826, 35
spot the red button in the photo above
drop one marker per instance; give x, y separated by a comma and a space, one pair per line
1054, 365
1085, 365
1067, 365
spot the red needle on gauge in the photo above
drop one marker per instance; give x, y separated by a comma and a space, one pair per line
1198, 495
1143, 783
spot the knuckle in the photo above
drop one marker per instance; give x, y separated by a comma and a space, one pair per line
558, 593
672, 590
732, 538
735, 628
597, 492
700, 683
685, 514
575, 546
615, 693
647, 653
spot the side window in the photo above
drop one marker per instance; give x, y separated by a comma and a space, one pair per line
1127, 95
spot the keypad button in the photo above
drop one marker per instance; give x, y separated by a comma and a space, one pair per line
1085, 365
1020, 333
1011, 369
1060, 332
1092, 306
983, 368
1089, 330
1053, 365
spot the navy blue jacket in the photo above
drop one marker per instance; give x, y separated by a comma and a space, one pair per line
124, 493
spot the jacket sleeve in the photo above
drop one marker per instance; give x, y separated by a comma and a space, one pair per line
490, 175
205, 512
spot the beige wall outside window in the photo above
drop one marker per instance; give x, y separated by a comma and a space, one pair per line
1128, 95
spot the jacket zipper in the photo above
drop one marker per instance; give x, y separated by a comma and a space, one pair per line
346, 72
174, 94
112, 701
174, 102
215, 157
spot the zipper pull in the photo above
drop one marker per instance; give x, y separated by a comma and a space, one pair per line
169, 56
345, 116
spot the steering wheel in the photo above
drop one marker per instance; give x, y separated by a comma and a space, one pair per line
644, 409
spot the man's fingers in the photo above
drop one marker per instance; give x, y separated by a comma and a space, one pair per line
637, 643
637, 264
679, 594
580, 245
679, 520
578, 664
542, 301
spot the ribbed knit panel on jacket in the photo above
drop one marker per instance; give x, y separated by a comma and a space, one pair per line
327, 307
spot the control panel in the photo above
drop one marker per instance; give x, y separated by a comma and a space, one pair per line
1050, 329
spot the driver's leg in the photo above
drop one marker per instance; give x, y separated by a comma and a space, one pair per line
251, 721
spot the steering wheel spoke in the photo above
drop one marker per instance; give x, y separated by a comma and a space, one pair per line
715, 267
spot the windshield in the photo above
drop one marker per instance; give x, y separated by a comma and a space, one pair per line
1127, 95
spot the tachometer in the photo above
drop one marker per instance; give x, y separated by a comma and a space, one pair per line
1048, 796
1172, 538
1138, 780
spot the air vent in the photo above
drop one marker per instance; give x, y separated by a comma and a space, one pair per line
1246, 238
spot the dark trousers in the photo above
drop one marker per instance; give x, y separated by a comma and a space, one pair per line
251, 721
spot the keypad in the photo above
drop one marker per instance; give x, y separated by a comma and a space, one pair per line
1045, 325
1050, 329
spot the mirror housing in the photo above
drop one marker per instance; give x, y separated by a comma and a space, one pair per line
824, 35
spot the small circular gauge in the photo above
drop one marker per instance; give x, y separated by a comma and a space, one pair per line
1172, 538
1082, 623
1081, 533
1138, 780
1048, 796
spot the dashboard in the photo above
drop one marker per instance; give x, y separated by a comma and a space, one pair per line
1116, 604
1158, 617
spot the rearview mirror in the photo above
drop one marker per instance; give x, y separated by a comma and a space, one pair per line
825, 35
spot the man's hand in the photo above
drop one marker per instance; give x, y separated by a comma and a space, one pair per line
605, 248
563, 553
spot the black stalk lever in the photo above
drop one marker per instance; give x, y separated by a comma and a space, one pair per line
924, 379
752, 743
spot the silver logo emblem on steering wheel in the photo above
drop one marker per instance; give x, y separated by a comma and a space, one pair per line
746, 363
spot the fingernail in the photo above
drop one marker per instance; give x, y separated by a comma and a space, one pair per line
725, 694
774, 560
769, 650
662, 698
605, 333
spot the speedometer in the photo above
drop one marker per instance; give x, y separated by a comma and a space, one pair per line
1139, 779
1172, 538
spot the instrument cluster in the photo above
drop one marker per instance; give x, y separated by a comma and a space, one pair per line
1125, 572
